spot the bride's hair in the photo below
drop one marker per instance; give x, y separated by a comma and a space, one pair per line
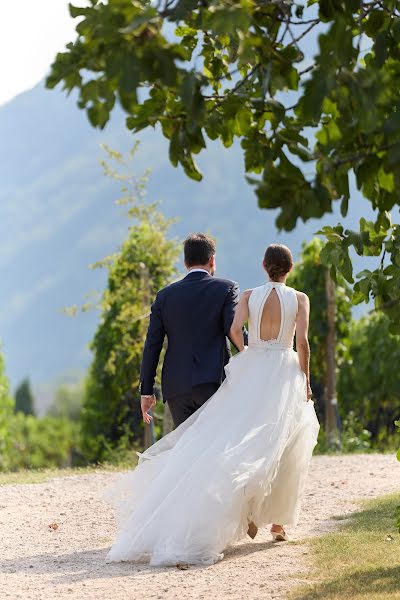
278, 261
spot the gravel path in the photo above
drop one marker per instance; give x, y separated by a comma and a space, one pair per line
40, 563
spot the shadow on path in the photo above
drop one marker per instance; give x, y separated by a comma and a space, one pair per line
90, 564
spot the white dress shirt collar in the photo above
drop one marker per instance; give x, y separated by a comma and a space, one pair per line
198, 271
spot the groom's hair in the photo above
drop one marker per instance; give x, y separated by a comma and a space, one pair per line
198, 249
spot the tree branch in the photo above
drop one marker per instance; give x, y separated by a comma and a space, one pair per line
385, 306
303, 34
306, 22
360, 155
238, 85
307, 70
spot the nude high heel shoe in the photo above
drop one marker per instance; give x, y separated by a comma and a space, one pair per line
279, 536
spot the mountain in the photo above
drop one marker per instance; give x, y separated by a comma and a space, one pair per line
57, 216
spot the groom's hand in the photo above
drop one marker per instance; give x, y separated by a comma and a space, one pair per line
147, 403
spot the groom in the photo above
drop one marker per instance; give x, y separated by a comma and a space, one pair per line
195, 314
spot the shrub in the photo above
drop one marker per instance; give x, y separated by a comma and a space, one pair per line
40, 443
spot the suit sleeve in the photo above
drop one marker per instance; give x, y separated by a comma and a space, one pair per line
231, 302
152, 349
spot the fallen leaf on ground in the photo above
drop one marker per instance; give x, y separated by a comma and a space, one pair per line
53, 526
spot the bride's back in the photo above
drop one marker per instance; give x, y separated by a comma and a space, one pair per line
272, 313
271, 317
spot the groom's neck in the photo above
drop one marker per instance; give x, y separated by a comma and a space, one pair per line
203, 267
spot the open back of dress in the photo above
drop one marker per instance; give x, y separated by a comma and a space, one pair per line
272, 315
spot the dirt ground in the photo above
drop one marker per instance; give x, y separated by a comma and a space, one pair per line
41, 563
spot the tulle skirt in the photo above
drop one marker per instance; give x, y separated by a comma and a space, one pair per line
243, 456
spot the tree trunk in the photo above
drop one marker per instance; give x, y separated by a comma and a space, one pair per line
168, 424
331, 428
148, 435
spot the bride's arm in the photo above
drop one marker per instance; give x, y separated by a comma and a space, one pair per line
241, 316
302, 345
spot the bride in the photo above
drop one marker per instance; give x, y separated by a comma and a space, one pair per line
240, 461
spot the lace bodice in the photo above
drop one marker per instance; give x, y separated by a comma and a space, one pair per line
288, 301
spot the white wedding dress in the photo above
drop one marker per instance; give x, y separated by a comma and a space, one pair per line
243, 456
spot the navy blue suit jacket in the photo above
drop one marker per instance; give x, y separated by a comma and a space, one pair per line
195, 314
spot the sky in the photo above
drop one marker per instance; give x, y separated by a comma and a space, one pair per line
31, 33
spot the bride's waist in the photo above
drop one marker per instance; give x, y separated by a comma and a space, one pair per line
270, 345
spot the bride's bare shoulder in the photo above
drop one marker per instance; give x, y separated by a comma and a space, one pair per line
246, 294
302, 298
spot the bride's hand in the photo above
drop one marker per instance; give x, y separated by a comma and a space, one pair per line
309, 391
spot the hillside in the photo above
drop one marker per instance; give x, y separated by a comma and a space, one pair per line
58, 216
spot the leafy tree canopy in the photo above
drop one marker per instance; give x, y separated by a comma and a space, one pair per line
143, 264
222, 69
24, 401
67, 402
368, 384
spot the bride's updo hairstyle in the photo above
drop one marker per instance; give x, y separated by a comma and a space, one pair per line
278, 261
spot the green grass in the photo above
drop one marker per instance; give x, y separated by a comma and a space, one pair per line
119, 461
43, 475
357, 562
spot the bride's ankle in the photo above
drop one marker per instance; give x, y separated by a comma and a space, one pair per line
276, 528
